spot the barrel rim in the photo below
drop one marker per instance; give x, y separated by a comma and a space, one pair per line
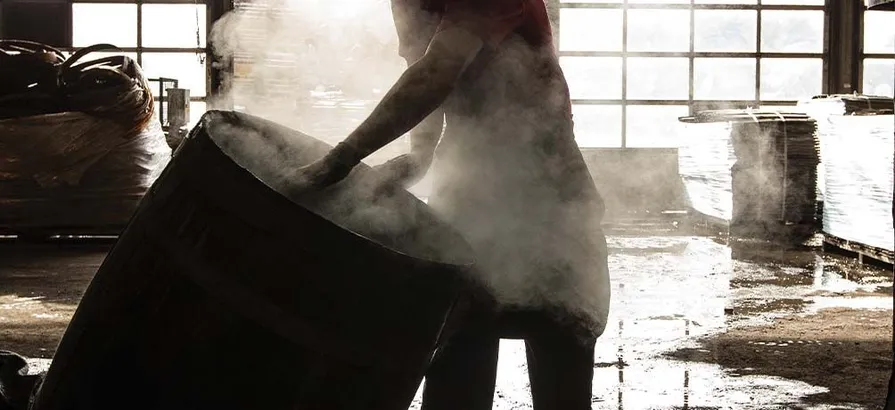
459, 256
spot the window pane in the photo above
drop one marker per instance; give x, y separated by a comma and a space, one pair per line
173, 25
658, 78
94, 23
593, 77
184, 67
658, 1
598, 125
726, 1
725, 30
791, 78
655, 125
794, 2
724, 78
792, 31
197, 109
590, 30
878, 76
658, 30
879, 32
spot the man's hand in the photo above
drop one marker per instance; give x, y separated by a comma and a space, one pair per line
326, 171
318, 175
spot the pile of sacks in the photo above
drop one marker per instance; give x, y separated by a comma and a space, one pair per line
37, 79
74, 128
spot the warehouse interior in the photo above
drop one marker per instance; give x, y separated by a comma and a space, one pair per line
744, 149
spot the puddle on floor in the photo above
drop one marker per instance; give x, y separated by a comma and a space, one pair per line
641, 384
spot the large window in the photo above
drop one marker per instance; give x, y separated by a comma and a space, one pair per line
878, 73
167, 38
634, 66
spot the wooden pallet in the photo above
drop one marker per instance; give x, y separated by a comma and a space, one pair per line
707, 225
864, 254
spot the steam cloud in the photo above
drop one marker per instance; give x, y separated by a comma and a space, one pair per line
282, 50
285, 51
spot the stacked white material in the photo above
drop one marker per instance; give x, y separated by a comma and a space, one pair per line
857, 151
775, 147
706, 156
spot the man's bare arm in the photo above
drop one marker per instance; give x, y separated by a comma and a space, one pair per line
423, 87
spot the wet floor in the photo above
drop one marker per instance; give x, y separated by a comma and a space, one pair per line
668, 292
696, 323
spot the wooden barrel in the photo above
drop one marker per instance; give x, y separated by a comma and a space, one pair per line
224, 293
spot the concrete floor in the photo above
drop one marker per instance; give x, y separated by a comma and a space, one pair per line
696, 323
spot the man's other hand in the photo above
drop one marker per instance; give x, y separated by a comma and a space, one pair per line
403, 170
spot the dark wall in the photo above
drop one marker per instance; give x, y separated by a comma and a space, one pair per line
44, 21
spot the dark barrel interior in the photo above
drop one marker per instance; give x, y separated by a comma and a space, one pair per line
222, 292
396, 220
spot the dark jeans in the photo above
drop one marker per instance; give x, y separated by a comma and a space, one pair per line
560, 363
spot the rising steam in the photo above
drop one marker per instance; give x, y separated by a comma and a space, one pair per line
287, 53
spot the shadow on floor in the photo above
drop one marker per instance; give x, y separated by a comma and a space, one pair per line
56, 272
33, 339
827, 349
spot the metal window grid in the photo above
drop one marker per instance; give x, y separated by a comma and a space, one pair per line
692, 102
140, 49
863, 55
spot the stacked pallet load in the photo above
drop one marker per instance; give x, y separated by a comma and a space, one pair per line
856, 138
705, 159
773, 175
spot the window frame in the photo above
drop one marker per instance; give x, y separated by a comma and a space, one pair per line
861, 55
694, 103
139, 49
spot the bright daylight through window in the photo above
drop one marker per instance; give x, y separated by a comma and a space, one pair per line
634, 67
167, 38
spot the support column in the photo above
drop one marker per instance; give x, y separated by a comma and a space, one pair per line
219, 70
844, 43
